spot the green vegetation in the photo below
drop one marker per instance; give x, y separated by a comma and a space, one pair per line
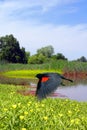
26, 73
62, 65
46, 51
10, 50
21, 73
19, 112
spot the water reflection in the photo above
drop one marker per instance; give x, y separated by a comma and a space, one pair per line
78, 92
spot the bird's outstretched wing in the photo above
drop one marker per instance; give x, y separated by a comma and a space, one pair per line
46, 85
48, 82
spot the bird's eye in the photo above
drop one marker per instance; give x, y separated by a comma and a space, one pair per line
44, 79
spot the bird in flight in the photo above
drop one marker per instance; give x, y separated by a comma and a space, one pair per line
48, 83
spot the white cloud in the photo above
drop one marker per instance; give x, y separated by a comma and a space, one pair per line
69, 40
10, 6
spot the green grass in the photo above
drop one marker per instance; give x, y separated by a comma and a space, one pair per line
21, 73
26, 73
19, 112
51, 65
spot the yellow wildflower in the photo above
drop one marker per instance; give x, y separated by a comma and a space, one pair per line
45, 118
42, 105
21, 117
60, 114
23, 129
5, 109
12, 93
69, 113
19, 104
29, 103
72, 121
36, 105
77, 121
26, 113
51, 110
14, 106
31, 110
66, 100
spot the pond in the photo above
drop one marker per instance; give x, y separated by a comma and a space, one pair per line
76, 91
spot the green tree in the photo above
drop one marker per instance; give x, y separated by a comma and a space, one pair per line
82, 59
46, 51
37, 59
11, 51
60, 56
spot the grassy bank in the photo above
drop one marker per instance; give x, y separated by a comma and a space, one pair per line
52, 65
21, 73
27, 73
19, 112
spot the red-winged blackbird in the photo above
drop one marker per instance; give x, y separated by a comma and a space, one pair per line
48, 82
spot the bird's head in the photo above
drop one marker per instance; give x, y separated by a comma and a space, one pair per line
42, 77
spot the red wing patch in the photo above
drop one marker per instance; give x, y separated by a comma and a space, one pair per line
44, 79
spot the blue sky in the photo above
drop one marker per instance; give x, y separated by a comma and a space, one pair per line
39, 23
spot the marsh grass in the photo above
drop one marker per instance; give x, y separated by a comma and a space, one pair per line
19, 112
20, 73
51, 65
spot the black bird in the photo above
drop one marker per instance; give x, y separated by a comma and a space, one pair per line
48, 82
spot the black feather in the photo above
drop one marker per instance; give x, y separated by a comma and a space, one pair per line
44, 88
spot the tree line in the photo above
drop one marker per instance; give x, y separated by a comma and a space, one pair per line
11, 52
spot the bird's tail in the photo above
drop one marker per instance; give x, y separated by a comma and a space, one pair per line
66, 78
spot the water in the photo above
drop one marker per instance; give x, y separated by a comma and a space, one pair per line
76, 92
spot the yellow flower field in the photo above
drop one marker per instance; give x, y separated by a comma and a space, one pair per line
19, 112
